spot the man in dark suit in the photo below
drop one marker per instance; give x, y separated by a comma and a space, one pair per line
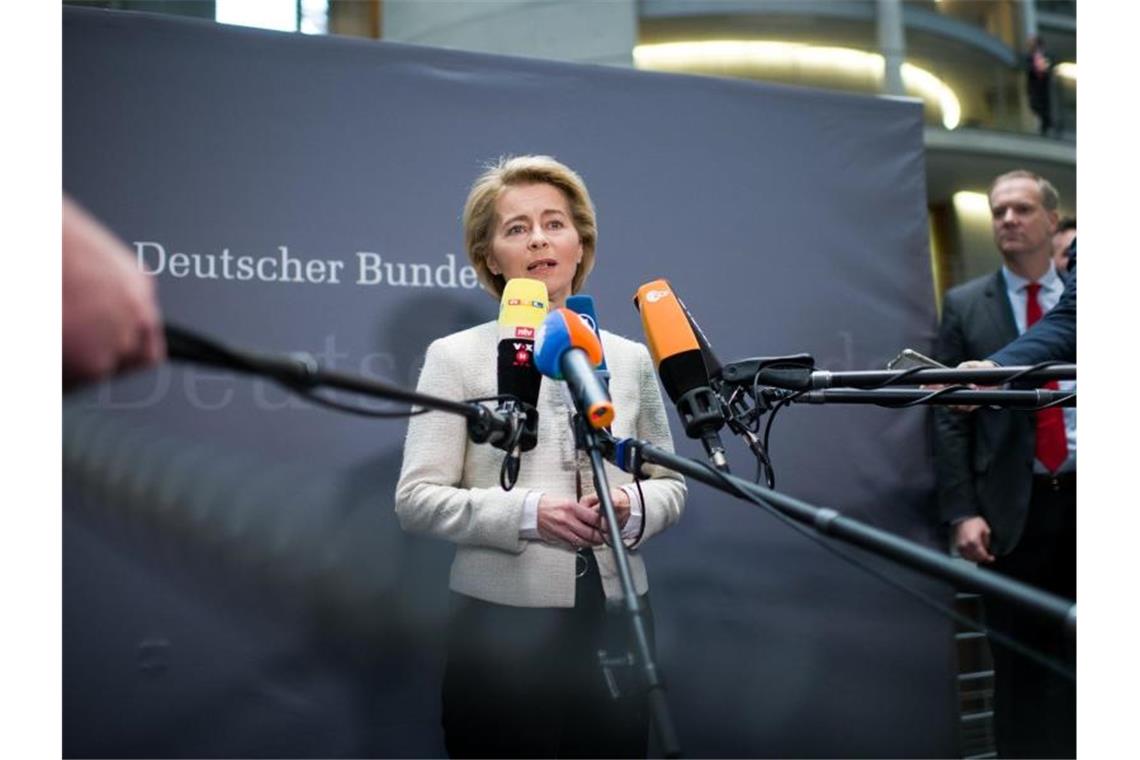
1007, 479
1052, 339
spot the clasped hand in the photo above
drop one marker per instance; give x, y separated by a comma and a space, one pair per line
578, 524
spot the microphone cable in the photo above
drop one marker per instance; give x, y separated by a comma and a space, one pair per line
748, 422
782, 403
508, 471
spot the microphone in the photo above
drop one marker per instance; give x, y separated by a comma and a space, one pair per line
301, 373
583, 306
566, 349
734, 408
681, 366
712, 364
522, 308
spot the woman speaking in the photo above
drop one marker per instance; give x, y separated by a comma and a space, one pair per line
535, 594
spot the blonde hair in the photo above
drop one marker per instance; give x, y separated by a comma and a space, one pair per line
510, 171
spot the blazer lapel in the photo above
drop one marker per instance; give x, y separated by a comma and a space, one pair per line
999, 309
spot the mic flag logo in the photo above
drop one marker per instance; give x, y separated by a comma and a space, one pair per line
523, 356
654, 296
523, 305
524, 332
589, 321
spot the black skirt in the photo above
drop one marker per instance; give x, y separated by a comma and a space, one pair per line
530, 682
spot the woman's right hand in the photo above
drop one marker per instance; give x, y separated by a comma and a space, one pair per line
566, 522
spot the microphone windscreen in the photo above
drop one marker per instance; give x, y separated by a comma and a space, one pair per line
671, 339
522, 308
667, 329
583, 306
551, 341
561, 331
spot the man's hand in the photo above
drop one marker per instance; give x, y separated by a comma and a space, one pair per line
621, 507
974, 364
111, 319
977, 364
566, 522
972, 539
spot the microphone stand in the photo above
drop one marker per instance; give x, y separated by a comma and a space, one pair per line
591, 441
939, 375
1026, 399
629, 453
301, 372
776, 372
752, 387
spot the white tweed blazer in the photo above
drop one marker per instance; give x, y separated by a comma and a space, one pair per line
449, 487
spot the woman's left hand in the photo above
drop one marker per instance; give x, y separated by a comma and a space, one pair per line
621, 506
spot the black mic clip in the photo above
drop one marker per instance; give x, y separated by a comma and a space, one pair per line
702, 416
792, 371
527, 419
484, 424
700, 410
507, 427
512, 428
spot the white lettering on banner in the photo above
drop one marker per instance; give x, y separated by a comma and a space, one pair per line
369, 268
468, 278
179, 264
140, 249
372, 269
153, 259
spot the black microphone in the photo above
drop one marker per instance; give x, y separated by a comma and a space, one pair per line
735, 406
522, 308
681, 365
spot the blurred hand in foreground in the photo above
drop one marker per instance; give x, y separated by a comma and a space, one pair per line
111, 319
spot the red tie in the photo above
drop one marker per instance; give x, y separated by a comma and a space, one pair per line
1052, 447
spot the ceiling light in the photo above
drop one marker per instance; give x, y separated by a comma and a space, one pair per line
968, 203
793, 58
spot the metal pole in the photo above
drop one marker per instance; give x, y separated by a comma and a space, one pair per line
892, 44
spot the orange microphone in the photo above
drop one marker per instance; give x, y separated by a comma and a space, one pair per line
676, 351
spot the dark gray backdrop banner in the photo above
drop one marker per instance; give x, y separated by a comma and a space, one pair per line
296, 193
